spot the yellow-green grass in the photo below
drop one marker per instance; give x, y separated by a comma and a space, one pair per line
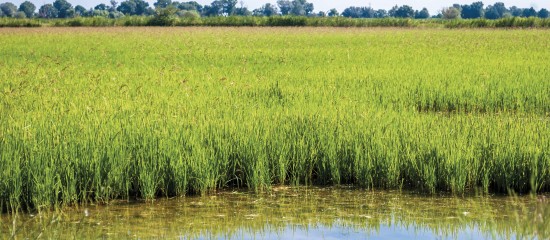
103, 113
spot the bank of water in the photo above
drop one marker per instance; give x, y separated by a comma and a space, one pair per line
294, 213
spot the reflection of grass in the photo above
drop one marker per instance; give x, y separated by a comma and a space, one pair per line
533, 219
339, 210
147, 112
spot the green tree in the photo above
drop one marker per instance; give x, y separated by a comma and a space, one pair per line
188, 14
242, 11
501, 8
115, 14
190, 6
359, 12
422, 14
269, 10
474, 10
164, 16
297, 9
8, 8
450, 13
134, 7
496, 11
301, 8
162, 3
515, 11
214, 9
543, 13
142, 8
47, 11
80, 10
127, 7
114, 5
229, 7
99, 13
333, 13
20, 14
101, 7
353, 12
285, 6
529, 12
380, 13
28, 8
309, 7
64, 8
404, 11
491, 14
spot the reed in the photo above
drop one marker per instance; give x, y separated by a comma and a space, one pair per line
278, 21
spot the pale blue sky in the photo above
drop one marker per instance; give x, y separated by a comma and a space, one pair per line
325, 5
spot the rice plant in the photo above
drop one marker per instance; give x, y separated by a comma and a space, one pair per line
90, 115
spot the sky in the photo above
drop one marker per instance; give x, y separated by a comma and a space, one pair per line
324, 5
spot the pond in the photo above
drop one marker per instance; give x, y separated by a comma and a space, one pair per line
295, 213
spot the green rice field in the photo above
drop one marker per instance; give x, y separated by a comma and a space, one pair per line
95, 114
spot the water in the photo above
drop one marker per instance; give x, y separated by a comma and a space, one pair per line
295, 213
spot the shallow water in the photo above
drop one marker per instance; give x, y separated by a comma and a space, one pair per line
295, 213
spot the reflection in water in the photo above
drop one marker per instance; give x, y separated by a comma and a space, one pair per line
296, 213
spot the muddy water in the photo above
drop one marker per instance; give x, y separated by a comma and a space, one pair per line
295, 213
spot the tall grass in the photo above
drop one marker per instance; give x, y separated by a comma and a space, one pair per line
278, 21
512, 22
16, 22
93, 115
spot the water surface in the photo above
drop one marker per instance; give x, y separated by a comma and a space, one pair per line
295, 213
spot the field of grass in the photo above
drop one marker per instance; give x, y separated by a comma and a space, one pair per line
103, 113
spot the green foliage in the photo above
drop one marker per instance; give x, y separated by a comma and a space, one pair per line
515, 22
116, 14
48, 11
28, 8
164, 17
543, 13
80, 11
450, 13
287, 21
404, 11
496, 11
267, 10
99, 13
285, 6
333, 13
101, 7
134, 7
189, 15
20, 15
162, 3
422, 14
64, 8
474, 10
8, 9
15, 22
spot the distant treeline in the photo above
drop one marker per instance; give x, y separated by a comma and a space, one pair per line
277, 21
192, 9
